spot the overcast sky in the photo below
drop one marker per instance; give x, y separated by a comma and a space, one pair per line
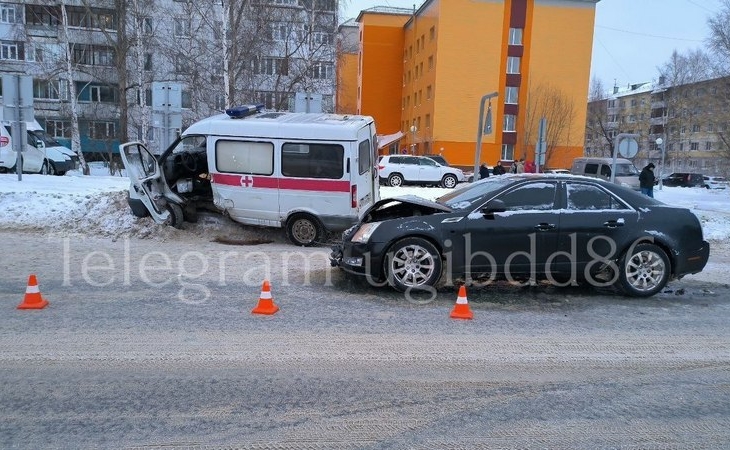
632, 37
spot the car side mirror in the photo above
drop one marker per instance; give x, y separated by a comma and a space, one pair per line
40, 145
494, 206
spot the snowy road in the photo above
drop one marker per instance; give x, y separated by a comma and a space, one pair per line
151, 344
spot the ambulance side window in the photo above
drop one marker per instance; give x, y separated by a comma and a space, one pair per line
255, 158
363, 157
310, 160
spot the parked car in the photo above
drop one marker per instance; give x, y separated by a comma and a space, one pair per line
626, 173
715, 182
468, 174
563, 171
396, 170
529, 227
684, 179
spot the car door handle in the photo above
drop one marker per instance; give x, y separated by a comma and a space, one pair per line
544, 226
613, 224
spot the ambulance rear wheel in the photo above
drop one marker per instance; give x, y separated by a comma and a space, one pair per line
176, 218
304, 230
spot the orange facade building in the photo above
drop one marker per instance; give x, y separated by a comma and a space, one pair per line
424, 72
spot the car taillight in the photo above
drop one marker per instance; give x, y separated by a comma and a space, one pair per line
381, 167
353, 196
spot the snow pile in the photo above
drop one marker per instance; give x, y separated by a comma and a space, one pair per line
98, 205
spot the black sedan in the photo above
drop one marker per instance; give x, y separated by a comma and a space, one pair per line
524, 228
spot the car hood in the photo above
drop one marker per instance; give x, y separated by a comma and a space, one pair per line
403, 206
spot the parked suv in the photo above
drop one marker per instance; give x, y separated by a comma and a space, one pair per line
684, 179
715, 182
468, 174
396, 170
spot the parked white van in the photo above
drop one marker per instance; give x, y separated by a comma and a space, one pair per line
626, 173
310, 173
42, 154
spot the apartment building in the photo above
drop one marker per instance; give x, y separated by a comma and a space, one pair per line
109, 55
692, 120
422, 72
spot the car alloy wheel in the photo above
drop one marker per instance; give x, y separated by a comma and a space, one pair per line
395, 180
413, 263
449, 181
644, 270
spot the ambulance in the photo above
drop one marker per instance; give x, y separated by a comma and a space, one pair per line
310, 173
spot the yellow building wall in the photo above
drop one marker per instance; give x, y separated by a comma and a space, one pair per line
468, 66
347, 83
381, 75
561, 42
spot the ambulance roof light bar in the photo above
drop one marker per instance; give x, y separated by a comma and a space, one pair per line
239, 112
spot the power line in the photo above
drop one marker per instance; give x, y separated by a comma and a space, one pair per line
701, 6
615, 61
649, 35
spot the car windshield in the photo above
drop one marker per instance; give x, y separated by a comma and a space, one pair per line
471, 195
626, 170
41, 135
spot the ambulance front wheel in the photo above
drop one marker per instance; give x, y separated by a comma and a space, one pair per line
304, 230
176, 218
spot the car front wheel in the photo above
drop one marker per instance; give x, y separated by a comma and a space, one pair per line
412, 263
449, 181
644, 270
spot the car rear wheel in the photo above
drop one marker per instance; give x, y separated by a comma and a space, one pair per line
449, 181
643, 270
412, 263
395, 180
304, 230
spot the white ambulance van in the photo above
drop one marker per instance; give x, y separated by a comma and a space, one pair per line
310, 173
42, 153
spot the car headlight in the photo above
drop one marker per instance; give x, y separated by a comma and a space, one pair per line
362, 235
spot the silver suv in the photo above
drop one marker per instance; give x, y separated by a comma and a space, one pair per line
397, 170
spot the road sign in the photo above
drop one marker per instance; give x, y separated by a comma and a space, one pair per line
628, 148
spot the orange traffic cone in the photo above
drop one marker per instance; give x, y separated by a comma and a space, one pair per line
461, 308
266, 303
32, 299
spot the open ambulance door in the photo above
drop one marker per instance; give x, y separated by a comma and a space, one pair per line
147, 183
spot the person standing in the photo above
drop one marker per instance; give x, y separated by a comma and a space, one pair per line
646, 180
498, 169
520, 168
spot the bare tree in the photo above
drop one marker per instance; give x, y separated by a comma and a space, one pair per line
545, 100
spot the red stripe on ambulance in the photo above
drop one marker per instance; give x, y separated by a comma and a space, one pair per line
292, 184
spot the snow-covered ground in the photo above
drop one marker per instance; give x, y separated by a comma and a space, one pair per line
97, 204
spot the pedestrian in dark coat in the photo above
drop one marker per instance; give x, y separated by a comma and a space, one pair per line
483, 171
646, 180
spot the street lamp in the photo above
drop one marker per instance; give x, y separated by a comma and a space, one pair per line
413, 139
660, 143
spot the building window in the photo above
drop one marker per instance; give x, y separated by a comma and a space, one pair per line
271, 66
510, 121
43, 89
182, 64
321, 38
508, 152
11, 50
428, 93
322, 71
145, 26
186, 99
432, 33
92, 55
10, 13
148, 61
612, 103
428, 120
708, 146
695, 128
694, 146
430, 63
58, 128
102, 130
513, 64
515, 36
511, 95
42, 15
182, 27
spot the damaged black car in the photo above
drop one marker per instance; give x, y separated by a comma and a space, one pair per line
526, 228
